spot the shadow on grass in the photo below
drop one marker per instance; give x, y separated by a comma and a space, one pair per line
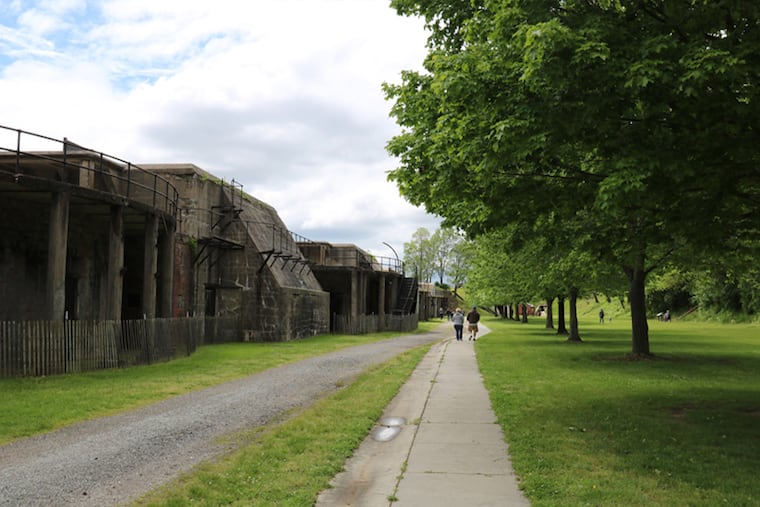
587, 427
704, 441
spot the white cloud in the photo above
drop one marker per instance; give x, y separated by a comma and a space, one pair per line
283, 96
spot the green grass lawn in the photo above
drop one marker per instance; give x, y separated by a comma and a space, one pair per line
588, 427
585, 425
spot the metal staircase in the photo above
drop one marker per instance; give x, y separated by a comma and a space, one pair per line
407, 303
216, 244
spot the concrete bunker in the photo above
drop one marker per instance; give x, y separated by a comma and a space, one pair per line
84, 235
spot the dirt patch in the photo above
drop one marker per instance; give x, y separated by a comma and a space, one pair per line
681, 412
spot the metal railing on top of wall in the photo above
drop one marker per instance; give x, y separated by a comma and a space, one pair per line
159, 192
389, 264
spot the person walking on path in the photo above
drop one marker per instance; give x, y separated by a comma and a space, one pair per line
472, 320
458, 320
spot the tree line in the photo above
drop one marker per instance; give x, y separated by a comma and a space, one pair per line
507, 274
611, 142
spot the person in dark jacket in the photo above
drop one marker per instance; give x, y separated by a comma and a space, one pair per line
472, 323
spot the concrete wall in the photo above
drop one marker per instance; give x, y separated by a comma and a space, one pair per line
72, 238
24, 254
358, 285
237, 258
227, 254
23, 258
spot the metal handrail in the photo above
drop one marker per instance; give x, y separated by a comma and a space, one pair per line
299, 239
161, 188
389, 264
361, 259
282, 239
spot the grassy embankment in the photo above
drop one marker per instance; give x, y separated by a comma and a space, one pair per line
588, 427
30, 406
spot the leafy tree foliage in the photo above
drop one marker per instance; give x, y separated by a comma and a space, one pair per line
513, 267
418, 255
668, 290
633, 123
460, 262
443, 253
496, 273
442, 242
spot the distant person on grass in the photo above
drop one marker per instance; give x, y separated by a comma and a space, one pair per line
458, 319
472, 319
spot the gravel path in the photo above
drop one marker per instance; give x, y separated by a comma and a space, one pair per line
112, 460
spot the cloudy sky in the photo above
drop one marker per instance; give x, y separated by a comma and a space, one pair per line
284, 96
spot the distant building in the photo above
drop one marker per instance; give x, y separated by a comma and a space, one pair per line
432, 299
362, 286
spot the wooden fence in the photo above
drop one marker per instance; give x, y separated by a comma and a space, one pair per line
363, 324
38, 348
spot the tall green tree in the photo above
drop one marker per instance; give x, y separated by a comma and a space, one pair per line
633, 121
419, 255
496, 276
442, 243
461, 263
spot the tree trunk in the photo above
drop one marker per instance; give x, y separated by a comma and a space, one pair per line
575, 335
514, 312
524, 313
637, 297
561, 329
549, 315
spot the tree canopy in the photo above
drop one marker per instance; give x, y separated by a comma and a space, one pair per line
443, 255
632, 123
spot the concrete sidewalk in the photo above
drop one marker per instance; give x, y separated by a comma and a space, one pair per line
438, 442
